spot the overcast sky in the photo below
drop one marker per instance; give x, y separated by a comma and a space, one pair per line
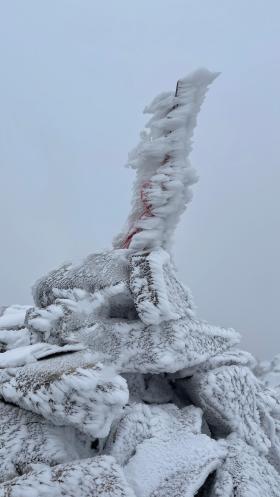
75, 76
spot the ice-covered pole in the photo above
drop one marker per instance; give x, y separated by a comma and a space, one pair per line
163, 171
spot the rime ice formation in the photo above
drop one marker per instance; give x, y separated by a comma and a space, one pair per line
110, 386
244, 473
269, 372
164, 173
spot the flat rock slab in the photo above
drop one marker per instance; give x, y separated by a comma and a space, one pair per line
69, 390
131, 346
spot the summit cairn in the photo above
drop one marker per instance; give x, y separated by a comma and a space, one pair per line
110, 386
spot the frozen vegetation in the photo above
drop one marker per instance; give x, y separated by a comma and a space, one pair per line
110, 385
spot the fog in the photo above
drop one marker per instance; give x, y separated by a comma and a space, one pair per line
75, 76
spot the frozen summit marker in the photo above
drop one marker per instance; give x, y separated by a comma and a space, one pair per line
164, 174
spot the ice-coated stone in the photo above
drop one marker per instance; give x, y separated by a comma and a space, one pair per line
69, 390
96, 477
131, 346
234, 400
245, 473
28, 439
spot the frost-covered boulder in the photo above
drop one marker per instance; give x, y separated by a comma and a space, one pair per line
132, 346
140, 422
144, 325
28, 440
245, 473
157, 293
234, 400
178, 467
96, 477
95, 272
68, 390
163, 451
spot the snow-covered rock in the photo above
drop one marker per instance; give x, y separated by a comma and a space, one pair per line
157, 293
245, 473
96, 477
131, 346
28, 439
234, 400
163, 451
69, 390
140, 422
94, 273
